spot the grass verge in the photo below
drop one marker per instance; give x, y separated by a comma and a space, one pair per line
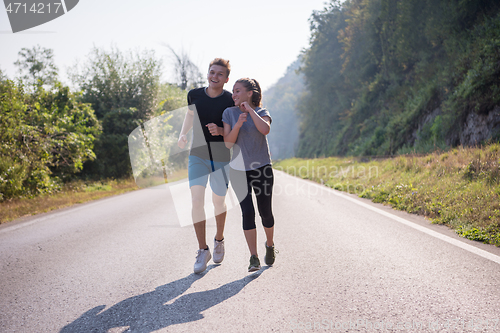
72, 193
459, 188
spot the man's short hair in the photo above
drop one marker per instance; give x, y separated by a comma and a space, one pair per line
221, 62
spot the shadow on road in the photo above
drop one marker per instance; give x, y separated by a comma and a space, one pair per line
150, 312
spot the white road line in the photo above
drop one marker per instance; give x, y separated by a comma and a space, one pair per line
453, 241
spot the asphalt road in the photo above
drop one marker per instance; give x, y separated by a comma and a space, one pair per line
124, 264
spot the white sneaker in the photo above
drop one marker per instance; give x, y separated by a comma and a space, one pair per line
218, 251
202, 258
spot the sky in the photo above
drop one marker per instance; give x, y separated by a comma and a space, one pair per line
261, 38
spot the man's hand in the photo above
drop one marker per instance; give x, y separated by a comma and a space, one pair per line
214, 129
182, 141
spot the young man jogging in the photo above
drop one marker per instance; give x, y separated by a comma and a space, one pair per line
208, 157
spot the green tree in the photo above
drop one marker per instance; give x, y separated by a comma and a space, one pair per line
2, 75
124, 92
384, 76
327, 97
281, 100
36, 66
187, 73
45, 137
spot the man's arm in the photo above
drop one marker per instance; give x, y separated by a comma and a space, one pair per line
186, 126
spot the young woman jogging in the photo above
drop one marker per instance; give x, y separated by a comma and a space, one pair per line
245, 128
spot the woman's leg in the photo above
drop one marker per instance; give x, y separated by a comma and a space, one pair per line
269, 236
249, 229
247, 209
251, 237
263, 187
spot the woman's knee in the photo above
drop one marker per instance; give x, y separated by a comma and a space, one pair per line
268, 222
248, 222
248, 217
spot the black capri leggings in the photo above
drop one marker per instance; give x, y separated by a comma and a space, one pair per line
261, 180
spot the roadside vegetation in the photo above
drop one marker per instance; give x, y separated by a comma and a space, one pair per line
380, 77
69, 194
459, 188
62, 145
386, 77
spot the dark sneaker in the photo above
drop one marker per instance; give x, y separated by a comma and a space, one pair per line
202, 258
270, 254
254, 264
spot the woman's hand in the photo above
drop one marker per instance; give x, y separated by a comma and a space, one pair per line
241, 119
245, 107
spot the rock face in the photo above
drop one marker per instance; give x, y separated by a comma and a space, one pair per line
428, 118
479, 127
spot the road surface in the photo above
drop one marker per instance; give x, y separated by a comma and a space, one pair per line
124, 264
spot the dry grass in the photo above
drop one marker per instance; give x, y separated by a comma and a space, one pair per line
72, 193
459, 188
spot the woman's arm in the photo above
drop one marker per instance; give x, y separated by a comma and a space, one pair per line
263, 124
230, 135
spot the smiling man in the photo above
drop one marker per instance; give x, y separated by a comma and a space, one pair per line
208, 157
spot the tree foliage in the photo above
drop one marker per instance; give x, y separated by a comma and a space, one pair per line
124, 92
187, 74
45, 137
281, 100
36, 66
50, 134
388, 76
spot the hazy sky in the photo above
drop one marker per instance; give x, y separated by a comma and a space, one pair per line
261, 38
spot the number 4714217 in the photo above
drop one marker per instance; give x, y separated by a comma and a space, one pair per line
36, 8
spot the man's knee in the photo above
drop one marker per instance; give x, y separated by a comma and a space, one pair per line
198, 202
219, 203
198, 196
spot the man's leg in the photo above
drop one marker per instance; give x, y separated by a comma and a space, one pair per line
220, 220
198, 171
198, 214
219, 183
220, 209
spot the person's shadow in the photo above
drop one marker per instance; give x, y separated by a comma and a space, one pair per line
149, 312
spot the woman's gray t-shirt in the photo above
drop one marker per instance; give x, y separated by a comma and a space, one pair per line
251, 150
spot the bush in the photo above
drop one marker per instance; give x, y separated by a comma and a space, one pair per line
45, 136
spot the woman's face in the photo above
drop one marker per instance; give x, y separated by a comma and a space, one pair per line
240, 94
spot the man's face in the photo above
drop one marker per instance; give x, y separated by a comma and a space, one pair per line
217, 76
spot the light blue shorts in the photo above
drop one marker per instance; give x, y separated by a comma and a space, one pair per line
199, 169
